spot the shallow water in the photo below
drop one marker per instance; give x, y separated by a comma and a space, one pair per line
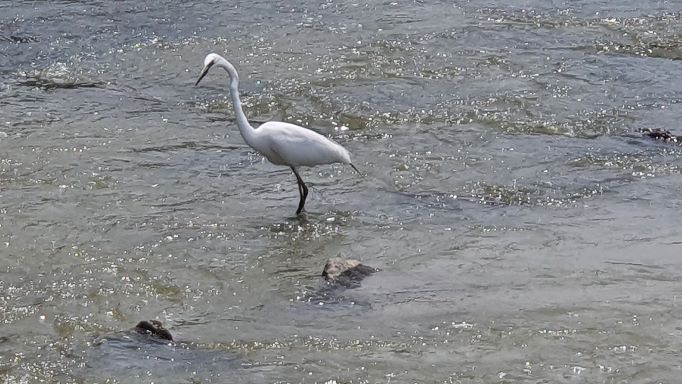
525, 230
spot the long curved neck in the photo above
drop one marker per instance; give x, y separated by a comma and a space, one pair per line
245, 128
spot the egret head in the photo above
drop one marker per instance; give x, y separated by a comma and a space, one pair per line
210, 59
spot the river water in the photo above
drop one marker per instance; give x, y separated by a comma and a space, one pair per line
525, 231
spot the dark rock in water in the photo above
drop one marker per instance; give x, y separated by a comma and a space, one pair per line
147, 352
18, 39
347, 273
153, 328
339, 275
662, 134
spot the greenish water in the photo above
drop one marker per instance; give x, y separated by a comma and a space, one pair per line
525, 230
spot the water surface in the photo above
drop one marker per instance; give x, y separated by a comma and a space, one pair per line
525, 230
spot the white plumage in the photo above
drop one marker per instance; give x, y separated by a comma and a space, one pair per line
281, 143
289, 144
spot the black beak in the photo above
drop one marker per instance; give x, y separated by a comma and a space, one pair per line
203, 73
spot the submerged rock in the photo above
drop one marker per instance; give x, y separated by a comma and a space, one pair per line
662, 134
153, 328
339, 275
148, 352
347, 273
18, 39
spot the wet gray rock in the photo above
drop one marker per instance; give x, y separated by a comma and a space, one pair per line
347, 273
339, 275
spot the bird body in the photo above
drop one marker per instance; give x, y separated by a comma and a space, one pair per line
288, 144
281, 143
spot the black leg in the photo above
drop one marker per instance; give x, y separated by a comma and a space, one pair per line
302, 191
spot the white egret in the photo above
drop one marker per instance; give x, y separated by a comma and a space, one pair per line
281, 143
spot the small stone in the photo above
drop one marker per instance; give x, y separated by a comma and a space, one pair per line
346, 272
153, 328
